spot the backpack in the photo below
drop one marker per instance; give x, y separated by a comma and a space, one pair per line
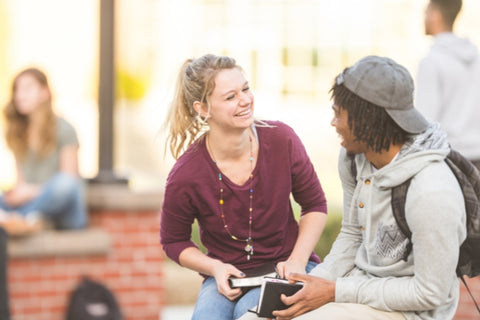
91, 300
469, 180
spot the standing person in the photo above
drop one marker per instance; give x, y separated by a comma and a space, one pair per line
45, 147
367, 274
448, 80
235, 178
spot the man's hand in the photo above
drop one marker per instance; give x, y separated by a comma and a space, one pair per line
315, 293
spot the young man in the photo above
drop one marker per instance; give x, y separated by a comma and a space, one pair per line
365, 276
448, 80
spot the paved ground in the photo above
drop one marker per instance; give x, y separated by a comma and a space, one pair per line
180, 312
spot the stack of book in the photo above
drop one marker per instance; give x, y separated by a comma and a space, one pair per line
271, 290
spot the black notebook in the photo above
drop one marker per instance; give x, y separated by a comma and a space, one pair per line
271, 290
253, 277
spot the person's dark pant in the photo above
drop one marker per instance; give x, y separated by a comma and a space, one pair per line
4, 304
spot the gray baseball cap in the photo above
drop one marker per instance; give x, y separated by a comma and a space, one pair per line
387, 84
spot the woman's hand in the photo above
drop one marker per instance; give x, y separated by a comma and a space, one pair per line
221, 273
21, 194
284, 268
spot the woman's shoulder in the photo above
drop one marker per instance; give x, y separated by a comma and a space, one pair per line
189, 163
61, 121
63, 125
66, 133
278, 139
274, 127
271, 124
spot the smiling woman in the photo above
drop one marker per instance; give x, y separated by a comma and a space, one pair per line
229, 179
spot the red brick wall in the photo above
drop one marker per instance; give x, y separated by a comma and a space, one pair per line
40, 287
466, 308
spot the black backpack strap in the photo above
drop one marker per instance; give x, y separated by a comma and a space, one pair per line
399, 197
353, 165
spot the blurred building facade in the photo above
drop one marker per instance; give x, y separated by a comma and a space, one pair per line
291, 50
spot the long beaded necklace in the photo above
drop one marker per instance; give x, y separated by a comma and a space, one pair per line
249, 245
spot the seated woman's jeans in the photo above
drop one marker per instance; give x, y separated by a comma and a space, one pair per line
61, 201
213, 305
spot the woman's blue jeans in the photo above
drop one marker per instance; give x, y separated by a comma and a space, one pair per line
61, 201
213, 305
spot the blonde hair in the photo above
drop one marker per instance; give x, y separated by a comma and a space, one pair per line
16, 133
195, 82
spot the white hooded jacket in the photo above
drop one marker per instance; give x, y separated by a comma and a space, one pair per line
366, 258
448, 91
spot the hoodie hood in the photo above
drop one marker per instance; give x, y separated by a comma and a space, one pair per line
432, 140
418, 152
459, 48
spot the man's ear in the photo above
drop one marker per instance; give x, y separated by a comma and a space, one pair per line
437, 17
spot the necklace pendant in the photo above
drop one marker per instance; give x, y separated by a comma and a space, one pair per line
249, 251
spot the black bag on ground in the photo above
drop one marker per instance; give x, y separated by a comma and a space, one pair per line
91, 300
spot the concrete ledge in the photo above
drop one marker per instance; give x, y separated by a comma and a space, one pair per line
121, 197
92, 241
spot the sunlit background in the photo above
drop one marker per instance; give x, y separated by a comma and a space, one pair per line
290, 49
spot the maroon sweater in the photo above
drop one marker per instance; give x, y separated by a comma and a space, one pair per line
192, 192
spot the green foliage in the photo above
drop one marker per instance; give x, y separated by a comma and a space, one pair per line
330, 232
196, 236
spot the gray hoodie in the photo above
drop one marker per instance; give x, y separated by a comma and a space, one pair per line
448, 91
366, 258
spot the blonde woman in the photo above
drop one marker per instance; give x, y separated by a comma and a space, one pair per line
45, 148
235, 178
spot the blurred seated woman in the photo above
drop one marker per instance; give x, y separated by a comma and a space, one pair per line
45, 146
